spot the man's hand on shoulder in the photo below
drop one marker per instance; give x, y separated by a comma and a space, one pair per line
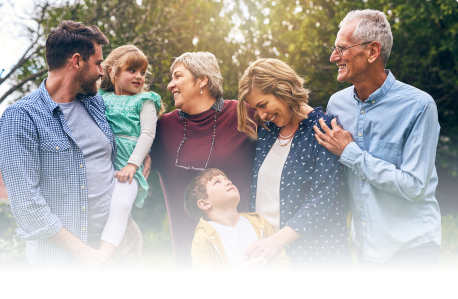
335, 140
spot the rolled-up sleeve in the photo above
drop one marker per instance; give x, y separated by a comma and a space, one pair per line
20, 169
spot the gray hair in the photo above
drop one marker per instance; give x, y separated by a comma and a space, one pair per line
372, 26
202, 64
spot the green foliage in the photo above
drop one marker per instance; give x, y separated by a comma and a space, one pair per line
12, 249
424, 54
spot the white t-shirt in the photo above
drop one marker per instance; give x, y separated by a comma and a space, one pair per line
268, 189
236, 240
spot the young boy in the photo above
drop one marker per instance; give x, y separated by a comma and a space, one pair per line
223, 235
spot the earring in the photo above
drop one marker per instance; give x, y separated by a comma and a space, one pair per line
201, 92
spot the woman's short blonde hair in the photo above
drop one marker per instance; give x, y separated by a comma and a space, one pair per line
269, 76
121, 58
202, 64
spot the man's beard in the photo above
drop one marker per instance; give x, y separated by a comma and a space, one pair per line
87, 83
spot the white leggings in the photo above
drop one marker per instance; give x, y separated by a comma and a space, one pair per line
123, 198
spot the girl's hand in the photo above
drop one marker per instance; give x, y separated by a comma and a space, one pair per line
126, 173
146, 166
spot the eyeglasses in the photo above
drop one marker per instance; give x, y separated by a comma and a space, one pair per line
184, 139
340, 50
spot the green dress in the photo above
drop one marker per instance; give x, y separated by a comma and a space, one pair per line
123, 115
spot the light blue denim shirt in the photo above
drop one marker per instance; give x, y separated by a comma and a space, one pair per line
390, 167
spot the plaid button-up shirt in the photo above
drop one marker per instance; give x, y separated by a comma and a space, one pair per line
44, 173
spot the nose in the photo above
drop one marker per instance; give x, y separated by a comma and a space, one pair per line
171, 85
334, 56
101, 73
262, 115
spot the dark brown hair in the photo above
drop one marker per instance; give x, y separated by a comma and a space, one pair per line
197, 190
69, 38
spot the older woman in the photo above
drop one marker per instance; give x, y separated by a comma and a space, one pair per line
295, 180
202, 133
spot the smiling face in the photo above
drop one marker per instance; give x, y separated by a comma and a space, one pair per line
222, 193
183, 87
270, 108
130, 81
354, 61
91, 72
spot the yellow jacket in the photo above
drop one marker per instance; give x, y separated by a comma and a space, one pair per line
208, 250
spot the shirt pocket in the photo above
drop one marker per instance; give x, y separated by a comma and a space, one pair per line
56, 157
385, 150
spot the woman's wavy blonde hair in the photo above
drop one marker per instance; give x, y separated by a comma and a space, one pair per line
269, 76
121, 58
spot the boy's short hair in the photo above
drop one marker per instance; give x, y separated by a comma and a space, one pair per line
197, 190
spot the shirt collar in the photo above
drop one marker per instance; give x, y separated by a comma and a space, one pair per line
53, 105
217, 106
46, 97
382, 91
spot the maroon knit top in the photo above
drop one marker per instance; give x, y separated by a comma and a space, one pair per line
233, 153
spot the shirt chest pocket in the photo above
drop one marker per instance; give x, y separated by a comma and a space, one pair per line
385, 150
56, 157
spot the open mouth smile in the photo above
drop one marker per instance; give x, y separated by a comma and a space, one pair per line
342, 66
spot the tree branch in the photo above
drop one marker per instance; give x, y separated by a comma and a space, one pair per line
20, 84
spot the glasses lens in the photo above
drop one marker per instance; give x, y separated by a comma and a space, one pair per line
337, 50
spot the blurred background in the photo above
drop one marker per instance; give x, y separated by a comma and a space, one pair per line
300, 33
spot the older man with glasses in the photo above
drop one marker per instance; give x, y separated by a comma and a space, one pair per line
386, 137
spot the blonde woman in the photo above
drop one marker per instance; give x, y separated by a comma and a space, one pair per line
295, 180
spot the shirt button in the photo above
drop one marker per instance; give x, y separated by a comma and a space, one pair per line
359, 179
83, 208
362, 111
82, 187
373, 102
81, 166
364, 223
83, 229
360, 134
57, 147
361, 199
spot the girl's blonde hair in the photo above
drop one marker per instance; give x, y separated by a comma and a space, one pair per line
269, 76
121, 58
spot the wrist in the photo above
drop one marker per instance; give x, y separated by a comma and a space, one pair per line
133, 165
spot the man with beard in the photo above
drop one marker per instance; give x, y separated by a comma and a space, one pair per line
56, 154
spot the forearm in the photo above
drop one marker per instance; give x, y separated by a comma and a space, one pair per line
141, 149
285, 236
69, 242
407, 182
148, 120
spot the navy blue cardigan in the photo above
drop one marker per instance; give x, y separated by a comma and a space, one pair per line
308, 194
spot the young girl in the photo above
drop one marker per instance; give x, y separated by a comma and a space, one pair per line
131, 112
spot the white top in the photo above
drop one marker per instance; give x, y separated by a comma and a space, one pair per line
268, 190
148, 120
236, 240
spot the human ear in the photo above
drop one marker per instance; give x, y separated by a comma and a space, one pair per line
110, 69
203, 204
374, 51
203, 81
76, 61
